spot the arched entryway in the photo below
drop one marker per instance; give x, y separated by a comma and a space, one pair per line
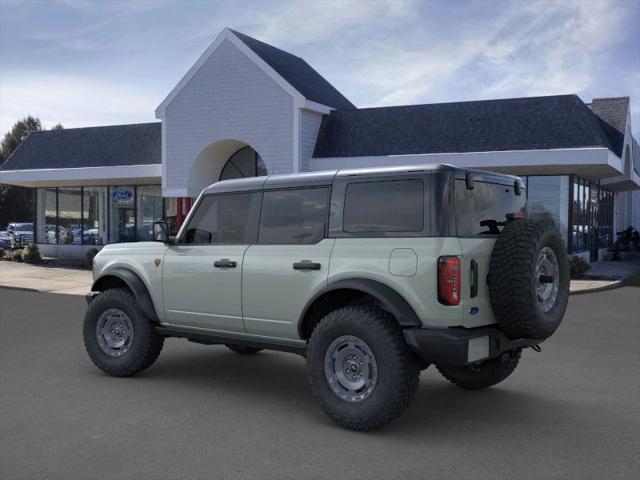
221, 160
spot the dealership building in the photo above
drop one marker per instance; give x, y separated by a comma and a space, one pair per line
246, 108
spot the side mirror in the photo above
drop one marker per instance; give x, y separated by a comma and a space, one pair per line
161, 232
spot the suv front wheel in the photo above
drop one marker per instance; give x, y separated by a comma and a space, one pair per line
359, 367
119, 339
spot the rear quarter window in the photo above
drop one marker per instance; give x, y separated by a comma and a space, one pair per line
384, 206
475, 209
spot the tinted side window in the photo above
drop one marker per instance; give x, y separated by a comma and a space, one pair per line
486, 202
295, 216
229, 218
386, 206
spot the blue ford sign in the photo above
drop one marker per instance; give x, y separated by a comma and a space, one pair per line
122, 197
121, 194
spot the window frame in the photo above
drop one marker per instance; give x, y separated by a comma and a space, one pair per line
185, 226
325, 233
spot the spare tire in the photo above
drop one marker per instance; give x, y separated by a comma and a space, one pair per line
529, 278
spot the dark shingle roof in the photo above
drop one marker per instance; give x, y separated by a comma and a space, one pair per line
613, 117
89, 147
298, 73
533, 123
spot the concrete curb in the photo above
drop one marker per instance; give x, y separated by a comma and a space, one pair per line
36, 290
612, 286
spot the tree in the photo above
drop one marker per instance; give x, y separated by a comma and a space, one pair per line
16, 203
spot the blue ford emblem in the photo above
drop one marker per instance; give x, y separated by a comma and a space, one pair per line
121, 194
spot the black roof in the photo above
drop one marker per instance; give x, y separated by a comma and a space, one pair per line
298, 73
612, 113
108, 146
533, 123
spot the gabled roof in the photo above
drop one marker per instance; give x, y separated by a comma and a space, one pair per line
298, 73
613, 113
109, 146
533, 123
292, 73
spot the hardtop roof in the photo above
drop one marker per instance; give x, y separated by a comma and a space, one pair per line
327, 177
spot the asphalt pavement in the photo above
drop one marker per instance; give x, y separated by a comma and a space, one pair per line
570, 412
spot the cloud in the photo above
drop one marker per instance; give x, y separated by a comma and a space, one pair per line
73, 101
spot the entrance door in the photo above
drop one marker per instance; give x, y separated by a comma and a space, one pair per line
202, 273
289, 263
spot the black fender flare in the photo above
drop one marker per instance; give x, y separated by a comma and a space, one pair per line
135, 284
391, 300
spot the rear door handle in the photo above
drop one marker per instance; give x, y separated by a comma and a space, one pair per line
474, 279
224, 263
306, 265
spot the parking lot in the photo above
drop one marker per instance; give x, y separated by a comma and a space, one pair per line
572, 411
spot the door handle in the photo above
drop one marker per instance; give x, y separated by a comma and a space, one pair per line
474, 279
306, 265
224, 263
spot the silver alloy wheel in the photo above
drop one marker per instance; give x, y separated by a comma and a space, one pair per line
350, 368
547, 279
114, 331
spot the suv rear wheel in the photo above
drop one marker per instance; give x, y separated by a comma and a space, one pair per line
485, 375
359, 367
119, 339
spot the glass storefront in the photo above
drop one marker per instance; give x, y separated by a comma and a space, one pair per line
94, 213
549, 197
583, 210
69, 216
100, 215
149, 203
122, 216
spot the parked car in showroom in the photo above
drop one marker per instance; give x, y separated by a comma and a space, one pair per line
371, 274
19, 234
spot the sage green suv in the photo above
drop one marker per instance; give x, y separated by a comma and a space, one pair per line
371, 274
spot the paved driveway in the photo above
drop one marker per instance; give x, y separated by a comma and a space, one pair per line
572, 411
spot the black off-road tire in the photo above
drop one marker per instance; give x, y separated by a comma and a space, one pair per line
146, 344
513, 283
243, 350
485, 375
397, 368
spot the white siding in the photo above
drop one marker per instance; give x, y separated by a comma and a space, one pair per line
229, 97
309, 126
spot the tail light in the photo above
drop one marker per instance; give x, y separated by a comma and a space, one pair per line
449, 280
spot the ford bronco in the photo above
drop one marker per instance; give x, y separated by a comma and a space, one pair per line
371, 274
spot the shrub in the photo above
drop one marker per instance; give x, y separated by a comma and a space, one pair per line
577, 266
16, 256
90, 256
31, 254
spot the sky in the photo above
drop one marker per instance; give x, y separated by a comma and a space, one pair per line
86, 63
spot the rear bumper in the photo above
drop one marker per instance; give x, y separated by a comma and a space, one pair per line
457, 347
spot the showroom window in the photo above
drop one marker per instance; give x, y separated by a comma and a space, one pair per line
548, 197
70, 216
100, 215
149, 203
94, 208
294, 216
46, 215
122, 216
